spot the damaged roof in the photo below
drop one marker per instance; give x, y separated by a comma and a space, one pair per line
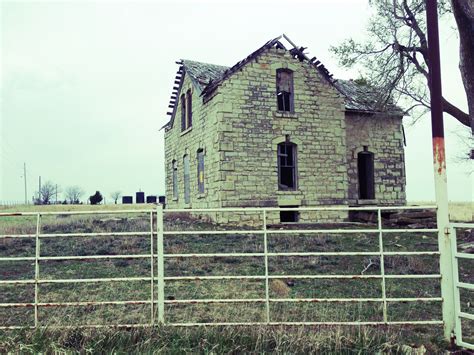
362, 97
206, 78
203, 73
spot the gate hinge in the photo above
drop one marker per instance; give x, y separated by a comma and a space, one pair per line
447, 230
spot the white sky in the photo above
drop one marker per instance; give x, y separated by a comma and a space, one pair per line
85, 85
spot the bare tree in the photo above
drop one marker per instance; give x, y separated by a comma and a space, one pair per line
46, 193
395, 56
73, 194
116, 195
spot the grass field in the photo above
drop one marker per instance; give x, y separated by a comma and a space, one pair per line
222, 339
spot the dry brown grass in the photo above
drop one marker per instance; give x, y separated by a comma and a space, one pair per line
458, 211
67, 208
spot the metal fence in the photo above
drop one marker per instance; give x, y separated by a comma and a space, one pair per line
460, 314
157, 257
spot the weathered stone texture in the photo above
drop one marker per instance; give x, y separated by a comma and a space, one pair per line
202, 135
383, 136
239, 129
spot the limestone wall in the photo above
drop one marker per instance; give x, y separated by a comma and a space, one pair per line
383, 136
240, 127
251, 127
202, 135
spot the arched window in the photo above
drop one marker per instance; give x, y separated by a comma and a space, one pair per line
365, 171
189, 106
284, 85
175, 179
287, 166
187, 190
200, 170
183, 112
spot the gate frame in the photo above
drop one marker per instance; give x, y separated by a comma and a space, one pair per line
160, 256
459, 314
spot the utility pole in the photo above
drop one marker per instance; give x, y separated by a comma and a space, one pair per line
24, 176
56, 193
439, 164
39, 191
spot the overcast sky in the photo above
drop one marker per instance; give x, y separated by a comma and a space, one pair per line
85, 85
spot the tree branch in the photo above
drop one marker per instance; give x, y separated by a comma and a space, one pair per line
457, 113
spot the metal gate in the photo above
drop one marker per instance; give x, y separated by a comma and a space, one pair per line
461, 286
154, 300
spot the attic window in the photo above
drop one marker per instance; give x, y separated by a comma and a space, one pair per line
183, 113
189, 106
284, 85
186, 110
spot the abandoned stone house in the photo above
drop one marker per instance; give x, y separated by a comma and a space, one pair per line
277, 130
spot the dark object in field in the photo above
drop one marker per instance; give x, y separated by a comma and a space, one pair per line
127, 200
96, 198
140, 197
151, 199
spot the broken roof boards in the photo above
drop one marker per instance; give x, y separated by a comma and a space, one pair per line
206, 78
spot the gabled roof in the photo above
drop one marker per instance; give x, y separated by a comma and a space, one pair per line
202, 73
207, 77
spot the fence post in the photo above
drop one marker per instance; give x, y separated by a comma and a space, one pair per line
457, 296
439, 165
446, 267
37, 255
265, 250
152, 272
382, 265
160, 264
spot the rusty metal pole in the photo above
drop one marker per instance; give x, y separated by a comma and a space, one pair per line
439, 162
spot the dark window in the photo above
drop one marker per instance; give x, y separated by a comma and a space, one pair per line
175, 179
187, 196
200, 170
288, 216
189, 106
284, 86
183, 112
287, 166
365, 170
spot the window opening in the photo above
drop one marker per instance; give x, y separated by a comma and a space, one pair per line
285, 90
200, 170
365, 169
189, 106
187, 196
289, 216
175, 179
183, 113
287, 166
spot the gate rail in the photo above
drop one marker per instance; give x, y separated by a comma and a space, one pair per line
459, 314
158, 257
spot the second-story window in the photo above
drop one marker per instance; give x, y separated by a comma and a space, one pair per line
284, 86
287, 166
183, 113
189, 107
